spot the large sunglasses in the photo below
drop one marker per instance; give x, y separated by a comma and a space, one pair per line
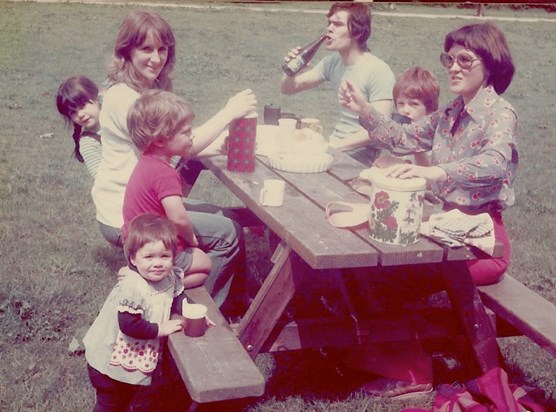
464, 60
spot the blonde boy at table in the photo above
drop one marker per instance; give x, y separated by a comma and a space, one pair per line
349, 28
416, 94
473, 141
161, 126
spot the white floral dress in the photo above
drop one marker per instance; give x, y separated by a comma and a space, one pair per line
121, 357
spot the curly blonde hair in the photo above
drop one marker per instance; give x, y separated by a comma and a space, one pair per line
157, 116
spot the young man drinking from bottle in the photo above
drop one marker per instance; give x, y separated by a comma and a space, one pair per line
349, 28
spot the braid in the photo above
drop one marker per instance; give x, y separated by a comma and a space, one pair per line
76, 137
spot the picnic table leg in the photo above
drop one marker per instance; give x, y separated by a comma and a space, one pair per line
270, 302
467, 304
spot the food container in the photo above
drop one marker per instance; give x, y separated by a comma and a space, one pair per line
396, 208
241, 144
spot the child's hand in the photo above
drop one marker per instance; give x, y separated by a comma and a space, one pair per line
124, 270
209, 321
170, 326
242, 104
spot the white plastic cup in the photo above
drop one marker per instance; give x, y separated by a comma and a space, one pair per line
286, 127
195, 319
272, 193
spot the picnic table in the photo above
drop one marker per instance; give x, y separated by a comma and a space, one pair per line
307, 240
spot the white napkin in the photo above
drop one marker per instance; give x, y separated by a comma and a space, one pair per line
456, 229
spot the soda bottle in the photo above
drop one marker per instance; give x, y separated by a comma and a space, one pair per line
305, 55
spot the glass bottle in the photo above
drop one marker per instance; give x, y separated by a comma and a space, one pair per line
304, 56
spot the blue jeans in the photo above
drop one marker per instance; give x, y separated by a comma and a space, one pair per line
220, 237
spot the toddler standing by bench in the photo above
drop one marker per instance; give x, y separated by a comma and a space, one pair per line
123, 345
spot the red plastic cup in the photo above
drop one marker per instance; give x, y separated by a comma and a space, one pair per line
241, 144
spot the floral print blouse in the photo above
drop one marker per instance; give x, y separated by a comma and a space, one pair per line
475, 144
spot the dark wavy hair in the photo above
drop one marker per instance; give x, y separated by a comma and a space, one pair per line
489, 43
74, 93
359, 21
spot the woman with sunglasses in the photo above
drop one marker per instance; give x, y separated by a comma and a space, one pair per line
474, 156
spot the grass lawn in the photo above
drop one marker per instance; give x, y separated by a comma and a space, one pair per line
56, 269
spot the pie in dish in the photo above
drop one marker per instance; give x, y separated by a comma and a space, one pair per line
301, 162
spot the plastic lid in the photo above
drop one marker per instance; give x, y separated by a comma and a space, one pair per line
378, 179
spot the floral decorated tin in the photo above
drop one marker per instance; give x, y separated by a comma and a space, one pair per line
396, 208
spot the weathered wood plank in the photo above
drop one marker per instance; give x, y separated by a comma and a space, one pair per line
320, 244
324, 187
528, 312
342, 332
214, 367
345, 167
275, 292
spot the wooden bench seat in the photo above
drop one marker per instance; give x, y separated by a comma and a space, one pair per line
214, 367
526, 311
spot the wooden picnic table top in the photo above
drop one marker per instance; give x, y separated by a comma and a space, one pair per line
304, 231
302, 224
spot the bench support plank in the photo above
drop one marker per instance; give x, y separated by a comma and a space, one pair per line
528, 312
215, 367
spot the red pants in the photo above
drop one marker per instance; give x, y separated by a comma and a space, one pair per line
488, 271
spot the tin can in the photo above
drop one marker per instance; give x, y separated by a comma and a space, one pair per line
396, 208
241, 144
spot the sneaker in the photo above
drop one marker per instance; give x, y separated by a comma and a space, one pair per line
394, 389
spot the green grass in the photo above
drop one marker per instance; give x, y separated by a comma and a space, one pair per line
56, 269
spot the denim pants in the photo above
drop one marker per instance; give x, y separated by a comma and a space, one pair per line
220, 237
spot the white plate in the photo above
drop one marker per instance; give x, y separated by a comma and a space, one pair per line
269, 143
301, 162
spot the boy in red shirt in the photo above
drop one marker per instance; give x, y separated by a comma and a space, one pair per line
160, 125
